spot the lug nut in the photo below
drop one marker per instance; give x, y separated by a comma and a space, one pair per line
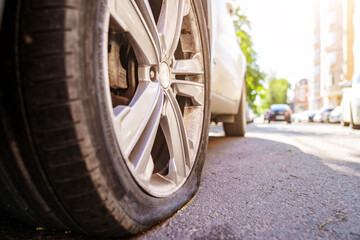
152, 73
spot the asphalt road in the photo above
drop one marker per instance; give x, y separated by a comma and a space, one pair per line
282, 181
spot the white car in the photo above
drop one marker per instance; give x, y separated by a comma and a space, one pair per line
105, 108
301, 116
335, 115
350, 103
318, 116
228, 85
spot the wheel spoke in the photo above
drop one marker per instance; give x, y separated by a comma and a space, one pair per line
169, 26
174, 130
141, 154
136, 124
140, 26
188, 67
190, 89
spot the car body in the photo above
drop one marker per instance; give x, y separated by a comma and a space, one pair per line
308, 116
106, 107
311, 115
317, 117
250, 115
228, 63
278, 112
302, 116
350, 103
295, 117
323, 114
335, 115
266, 114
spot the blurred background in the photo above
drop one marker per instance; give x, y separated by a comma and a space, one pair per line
298, 51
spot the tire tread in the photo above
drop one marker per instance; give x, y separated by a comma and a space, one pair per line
51, 82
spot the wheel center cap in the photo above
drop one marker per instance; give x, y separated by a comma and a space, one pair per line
164, 75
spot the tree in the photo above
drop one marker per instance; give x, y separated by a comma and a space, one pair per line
275, 93
254, 77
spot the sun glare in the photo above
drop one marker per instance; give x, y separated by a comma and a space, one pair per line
282, 35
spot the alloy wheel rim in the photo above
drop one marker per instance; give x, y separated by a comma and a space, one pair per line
155, 74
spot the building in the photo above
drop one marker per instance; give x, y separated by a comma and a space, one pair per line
333, 51
348, 42
356, 46
301, 102
315, 100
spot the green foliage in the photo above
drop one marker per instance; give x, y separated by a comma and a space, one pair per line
275, 93
254, 77
277, 89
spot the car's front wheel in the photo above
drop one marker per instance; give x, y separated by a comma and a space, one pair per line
115, 109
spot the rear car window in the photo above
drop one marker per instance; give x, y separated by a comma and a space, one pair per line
275, 107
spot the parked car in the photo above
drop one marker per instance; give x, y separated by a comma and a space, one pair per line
305, 116
335, 115
318, 116
311, 115
323, 115
350, 103
105, 108
295, 117
326, 114
266, 114
278, 112
250, 115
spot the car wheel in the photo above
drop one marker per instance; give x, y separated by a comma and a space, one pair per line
343, 124
115, 98
237, 128
352, 125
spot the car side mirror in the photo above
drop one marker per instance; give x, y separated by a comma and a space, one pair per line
345, 84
